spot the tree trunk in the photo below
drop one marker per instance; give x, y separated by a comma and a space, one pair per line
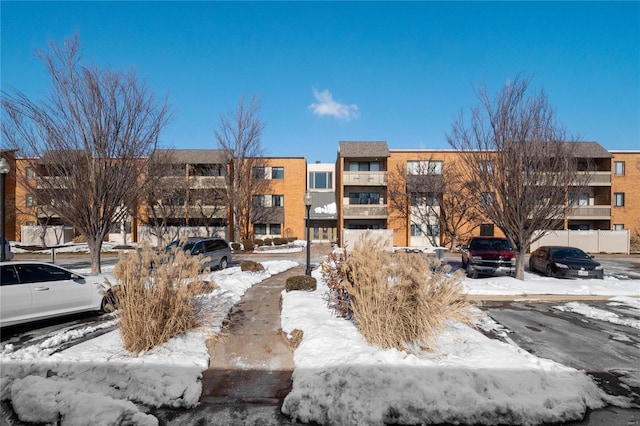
520, 259
95, 248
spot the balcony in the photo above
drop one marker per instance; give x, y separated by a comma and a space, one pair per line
590, 213
206, 182
599, 178
365, 178
365, 211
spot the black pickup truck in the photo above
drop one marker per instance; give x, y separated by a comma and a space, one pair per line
488, 256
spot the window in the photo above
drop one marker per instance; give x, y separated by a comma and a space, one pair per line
320, 180
424, 167
356, 166
364, 198
618, 227
29, 200
30, 172
486, 198
618, 199
277, 200
277, 173
259, 173
259, 201
618, 168
274, 229
421, 199
486, 167
416, 230
486, 230
259, 228
433, 230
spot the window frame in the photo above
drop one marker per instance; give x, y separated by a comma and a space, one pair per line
618, 199
615, 168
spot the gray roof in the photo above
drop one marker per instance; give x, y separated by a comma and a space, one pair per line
194, 156
363, 149
589, 150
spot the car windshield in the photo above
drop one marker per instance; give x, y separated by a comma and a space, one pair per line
186, 246
569, 253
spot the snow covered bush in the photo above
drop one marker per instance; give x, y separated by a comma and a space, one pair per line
156, 296
334, 273
400, 300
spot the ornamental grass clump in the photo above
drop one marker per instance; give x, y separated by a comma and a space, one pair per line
157, 297
401, 300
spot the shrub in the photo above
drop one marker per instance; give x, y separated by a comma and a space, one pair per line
248, 245
251, 266
400, 301
268, 241
258, 242
156, 304
300, 282
279, 241
334, 272
236, 246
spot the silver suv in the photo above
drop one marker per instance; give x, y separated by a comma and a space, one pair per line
216, 250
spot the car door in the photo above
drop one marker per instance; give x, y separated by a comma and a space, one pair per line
54, 290
15, 298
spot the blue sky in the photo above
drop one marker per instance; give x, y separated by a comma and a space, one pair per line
332, 71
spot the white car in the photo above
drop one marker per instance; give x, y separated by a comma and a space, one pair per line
32, 291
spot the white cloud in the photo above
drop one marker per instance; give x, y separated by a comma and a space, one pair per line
326, 105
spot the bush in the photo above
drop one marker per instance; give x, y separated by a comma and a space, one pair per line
400, 301
279, 241
268, 241
258, 242
248, 245
251, 266
156, 304
334, 272
236, 246
300, 282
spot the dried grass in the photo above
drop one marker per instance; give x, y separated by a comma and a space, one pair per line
161, 302
401, 300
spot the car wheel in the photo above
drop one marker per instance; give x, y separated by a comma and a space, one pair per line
549, 271
108, 303
223, 263
471, 273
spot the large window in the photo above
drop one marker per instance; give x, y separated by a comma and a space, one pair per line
425, 230
364, 198
259, 173
421, 199
424, 167
618, 199
364, 166
618, 168
320, 180
277, 200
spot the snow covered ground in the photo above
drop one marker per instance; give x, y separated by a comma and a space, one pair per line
338, 378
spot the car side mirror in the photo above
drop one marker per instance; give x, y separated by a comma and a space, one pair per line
77, 278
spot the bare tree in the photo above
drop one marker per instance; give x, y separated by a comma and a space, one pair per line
239, 136
92, 137
517, 163
426, 196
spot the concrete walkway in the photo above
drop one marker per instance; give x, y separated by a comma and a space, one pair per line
252, 362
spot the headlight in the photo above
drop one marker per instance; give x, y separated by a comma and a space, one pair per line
476, 258
597, 268
561, 265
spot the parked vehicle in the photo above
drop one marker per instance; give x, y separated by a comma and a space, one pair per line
32, 291
216, 250
488, 256
8, 254
564, 262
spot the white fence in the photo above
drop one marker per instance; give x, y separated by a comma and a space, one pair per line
31, 235
350, 237
145, 234
595, 241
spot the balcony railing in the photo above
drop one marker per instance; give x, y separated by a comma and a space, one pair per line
365, 178
590, 212
207, 182
365, 211
599, 178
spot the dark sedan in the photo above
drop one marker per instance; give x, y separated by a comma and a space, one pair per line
564, 262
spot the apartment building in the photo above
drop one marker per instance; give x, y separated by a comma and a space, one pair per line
355, 193
625, 191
